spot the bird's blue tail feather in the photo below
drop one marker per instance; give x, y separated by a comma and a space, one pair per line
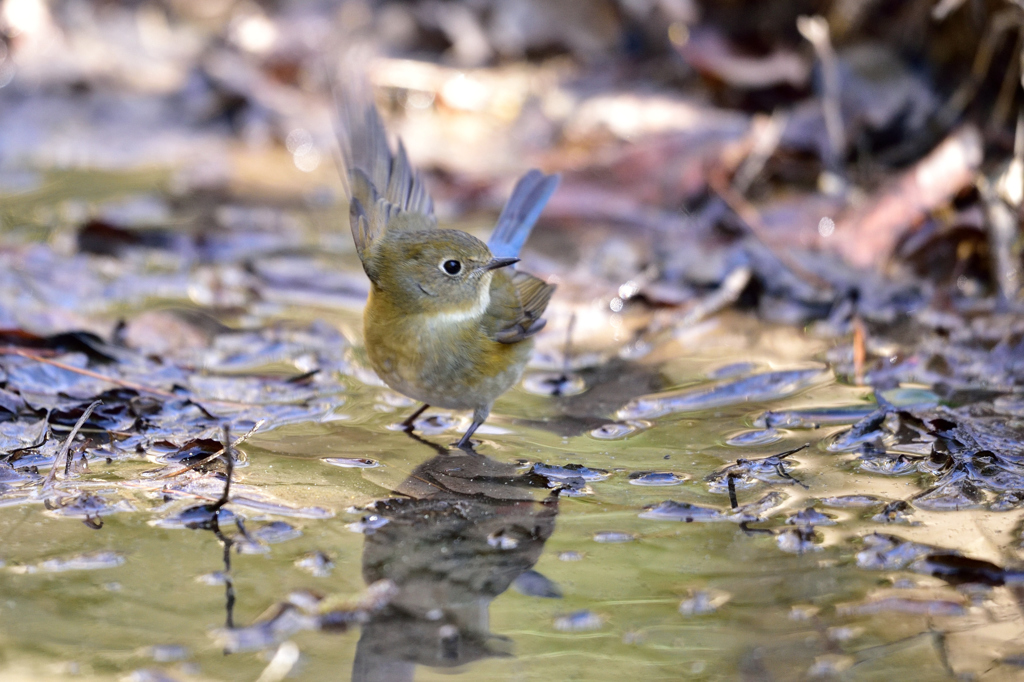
528, 198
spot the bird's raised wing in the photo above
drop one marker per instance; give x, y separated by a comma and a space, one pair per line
515, 312
384, 191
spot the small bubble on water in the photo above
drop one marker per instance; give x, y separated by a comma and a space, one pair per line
570, 555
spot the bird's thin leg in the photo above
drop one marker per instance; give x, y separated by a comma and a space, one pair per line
464, 442
408, 423
479, 417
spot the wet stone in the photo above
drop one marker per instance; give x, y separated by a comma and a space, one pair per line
167, 653
745, 473
197, 518
89, 561
813, 418
844, 633
656, 478
889, 465
671, 510
436, 424
149, 675
891, 601
755, 437
895, 512
351, 462
756, 388
317, 564
735, 369
553, 384
619, 430
704, 602
890, 553
212, 579
850, 501
368, 524
721, 482
798, 540
275, 532
810, 517
503, 540
533, 584
612, 537
803, 612
953, 496
87, 505
1007, 501
579, 621
830, 665
569, 472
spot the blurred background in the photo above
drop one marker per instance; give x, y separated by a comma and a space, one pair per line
803, 140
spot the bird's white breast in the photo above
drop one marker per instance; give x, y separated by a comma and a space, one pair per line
472, 313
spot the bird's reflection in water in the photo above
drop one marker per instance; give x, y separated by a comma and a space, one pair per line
467, 527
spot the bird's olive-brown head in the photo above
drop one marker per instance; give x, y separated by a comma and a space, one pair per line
435, 271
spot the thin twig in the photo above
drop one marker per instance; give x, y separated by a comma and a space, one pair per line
214, 455
750, 216
65, 450
815, 30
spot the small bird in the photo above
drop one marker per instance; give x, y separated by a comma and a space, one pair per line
448, 321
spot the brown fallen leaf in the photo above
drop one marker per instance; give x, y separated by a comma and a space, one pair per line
867, 236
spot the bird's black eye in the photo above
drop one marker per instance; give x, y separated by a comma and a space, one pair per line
452, 267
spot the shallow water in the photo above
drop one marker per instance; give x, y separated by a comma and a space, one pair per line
477, 546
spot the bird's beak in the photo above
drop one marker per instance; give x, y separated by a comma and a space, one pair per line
496, 263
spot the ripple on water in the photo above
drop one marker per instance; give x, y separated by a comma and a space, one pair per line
613, 536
